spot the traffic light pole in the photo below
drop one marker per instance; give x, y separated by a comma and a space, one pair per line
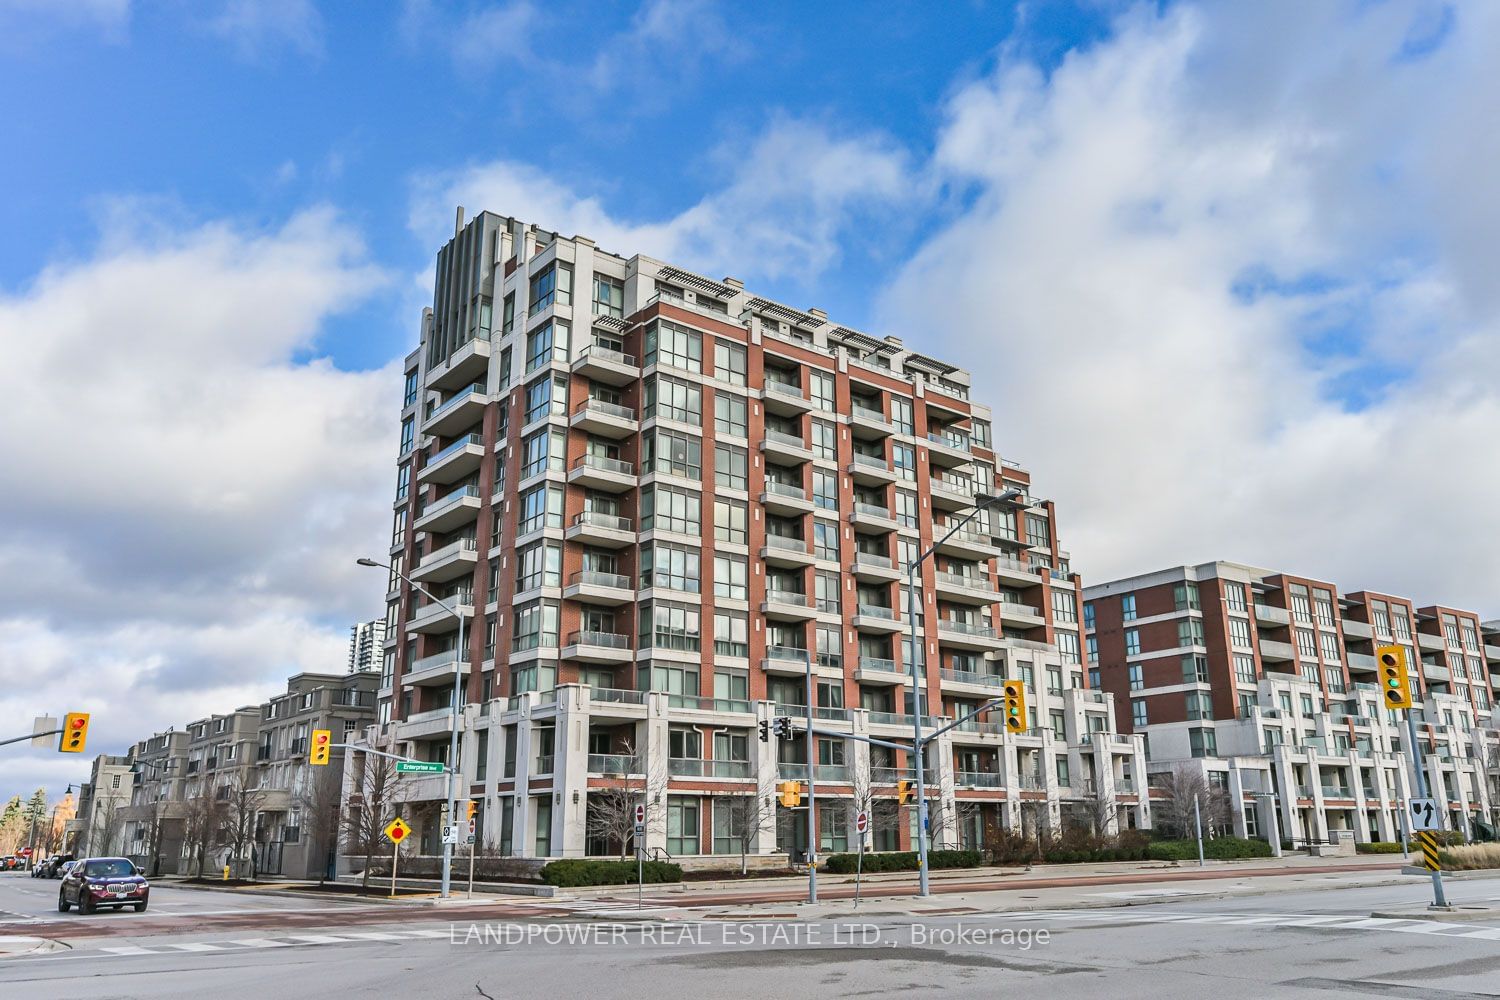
1438, 898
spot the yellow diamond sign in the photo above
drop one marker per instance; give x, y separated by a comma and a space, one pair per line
396, 830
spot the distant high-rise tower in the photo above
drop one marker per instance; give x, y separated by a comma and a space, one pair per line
365, 641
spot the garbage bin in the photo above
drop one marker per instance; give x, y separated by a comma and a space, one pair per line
799, 857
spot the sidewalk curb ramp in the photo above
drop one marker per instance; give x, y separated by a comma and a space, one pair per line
17, 945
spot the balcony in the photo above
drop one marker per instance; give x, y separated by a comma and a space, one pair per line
784, 399
784, 498
451, 562
455, 462
679, 767
963, 635
788, 605
435, 618
876, 618
463, 409
605, 530
873, 566
697, 703
901, 721
1275, 617
449, 511
592, 587
433, 671
966, 588
1023, 615
979, 779
949, 449
617, 764
1359, 630
465, 365
869, 515
785, 447
870, 469
792, 662
1272, 651
600, 364
966, 544
971, 682
608, 474
424, 725
607, 420
1014, 571
868, 424
780, 550
951, 494
1360, 663
598, 647
877, 670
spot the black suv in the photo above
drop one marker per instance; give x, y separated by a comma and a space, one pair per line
95, 882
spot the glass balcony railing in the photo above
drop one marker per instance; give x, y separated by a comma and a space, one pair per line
456, 447
433, 506
611, 522
459, 398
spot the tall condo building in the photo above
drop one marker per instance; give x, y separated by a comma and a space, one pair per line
1265, 682
657, 502
366, 640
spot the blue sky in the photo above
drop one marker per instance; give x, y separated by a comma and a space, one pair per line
345, 105
1224, 271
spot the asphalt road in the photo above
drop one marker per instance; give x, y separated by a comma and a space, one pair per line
1319, 944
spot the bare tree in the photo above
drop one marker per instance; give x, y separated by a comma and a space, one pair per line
154, 815
203, 822
746, 812
948, 822
610, 815
106, 823
242, 805
1100, 807
370, 807
1180, 788
320, 800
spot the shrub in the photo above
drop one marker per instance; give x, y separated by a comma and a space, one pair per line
1010, 847
591, 871
901, 861
1378, 847
1470, 857
1219, 849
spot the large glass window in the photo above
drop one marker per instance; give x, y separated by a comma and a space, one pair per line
731, 467
820, 385
670, 344
824, 440
731, 633
825, 489
548, 342
901, 415
668, 625
547, 396
674, 399
731, 577
729, 362
682, 825
552, 285
825, 540
730, 415
674, 567
671, 508
609, 296
538, 565
732, 521
540, 507
536, 626
674, 453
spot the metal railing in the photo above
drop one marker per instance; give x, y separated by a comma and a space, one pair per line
964, 628
873, 510
619, 696
979, 779
876, 611
788, 597
786, 490
790, 440
878, 663
593, 352
707, 704
595, 578
605, 409
455, 448
611, 640
871, 461
855, 410
784, 389
477, 389
596, 519
543, 764
694, 768
461, 493
601, 464
786, 543
972, 677
874, 559
614, 763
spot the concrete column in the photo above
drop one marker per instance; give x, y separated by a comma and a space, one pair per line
523, 839
655, 756
765, 779
1291, 819
1237, 796
859, 772
570, 772
940, 757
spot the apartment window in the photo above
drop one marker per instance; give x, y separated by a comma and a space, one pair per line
1127, 608
535, 626
673, 453
552, 285
1185, 597
545, 344
1323, 606
1471, 637
682, 825
1091, 645
668, 625
1307, 643
1190, 633
1244, 668
542, 451
1195, 670
901, 415
904, 458
403, 481
825, 540
906, 508
1036, 531
1088, 614
538, 565
731, 577
1138, 712
546, 396
1199, 706
1064, 606
1335, 678
671, 508
1301, 606
731, 467
1234, 595
825, 489
824, 440
609, 296
827, 591
981, 433
1329, 642
1239, 633
408, 435
670, 344
1202, 743
674, 567
730, 415
1067, 645
1132, 642
1382, 617
732, 521
729, 362
1402, 623
412, 389
540, 506
674, 399
820, 391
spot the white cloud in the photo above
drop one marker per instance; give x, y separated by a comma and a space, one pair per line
24, 23
187, 482
256, 28
1118, 202
787, 209
479, 38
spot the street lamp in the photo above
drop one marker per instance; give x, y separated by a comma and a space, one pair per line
981, 503
461, 655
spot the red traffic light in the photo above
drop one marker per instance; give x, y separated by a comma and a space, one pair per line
78, 723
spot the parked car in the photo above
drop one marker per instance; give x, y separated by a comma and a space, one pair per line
52, 867
95, 882
12, 862
63, 869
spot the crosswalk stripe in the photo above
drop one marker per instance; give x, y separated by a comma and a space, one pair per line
316, 938
429, 934
260, 943
195, 946
128, 949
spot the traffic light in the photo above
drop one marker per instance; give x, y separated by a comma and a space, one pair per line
1015, 706
1395, 684
783, 727
322, 740
906, 792
791, 793
765, 730
473, 808
75, 733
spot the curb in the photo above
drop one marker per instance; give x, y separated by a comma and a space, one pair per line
17, 945
1456, 914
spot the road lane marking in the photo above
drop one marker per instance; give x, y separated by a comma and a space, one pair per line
195, 946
